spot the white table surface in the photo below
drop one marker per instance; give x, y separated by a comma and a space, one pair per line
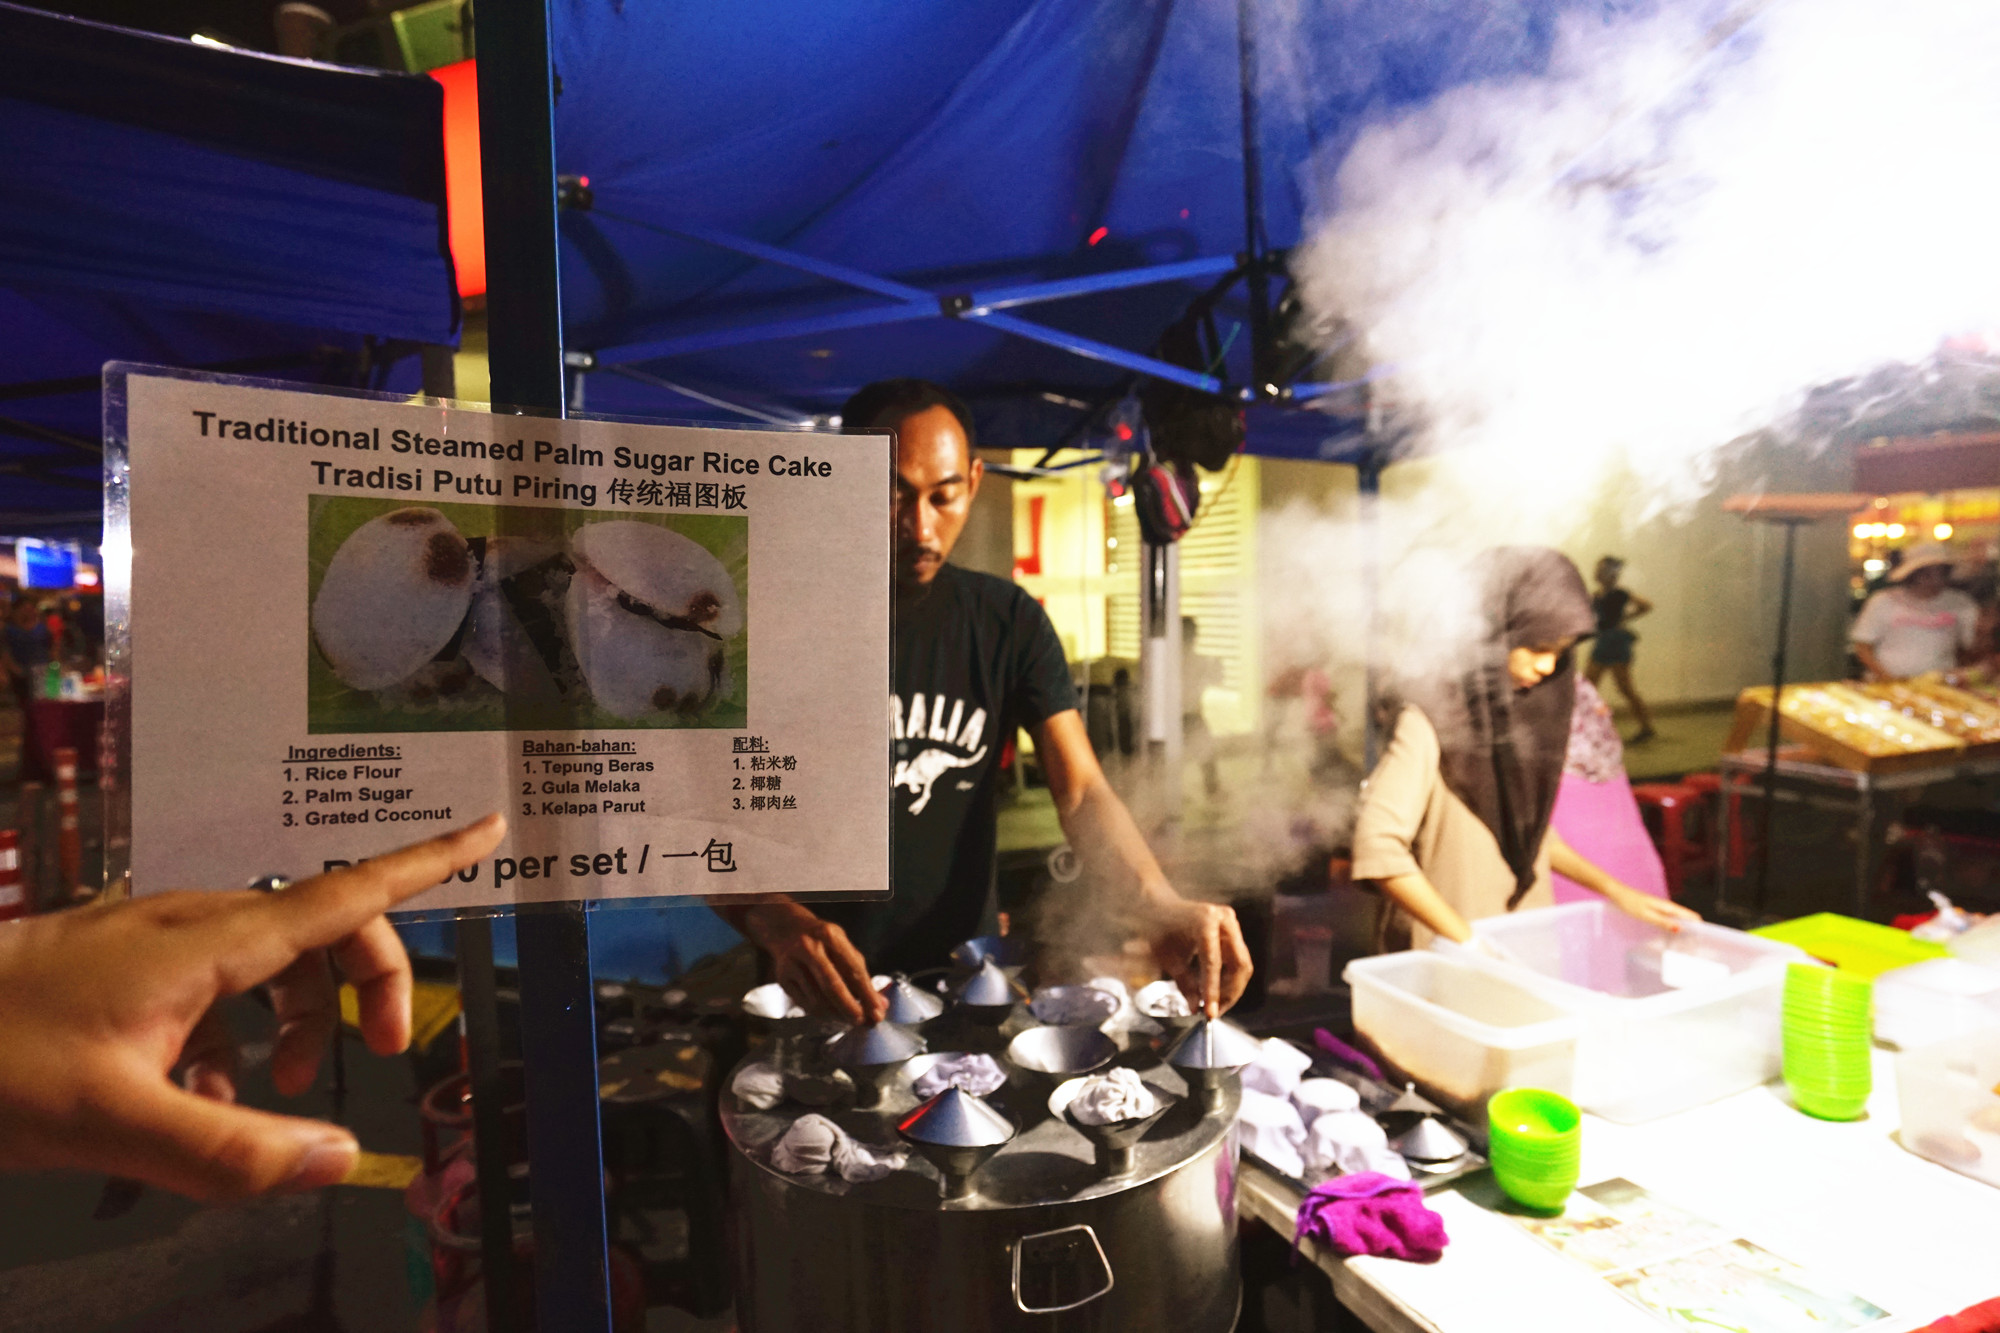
1844, 1200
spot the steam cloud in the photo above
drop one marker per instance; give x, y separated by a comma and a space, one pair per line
1661, 243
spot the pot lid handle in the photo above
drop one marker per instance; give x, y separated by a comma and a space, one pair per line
1052, 1256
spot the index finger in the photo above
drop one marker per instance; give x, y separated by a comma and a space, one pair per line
1236, 966
1211, 966
265, 934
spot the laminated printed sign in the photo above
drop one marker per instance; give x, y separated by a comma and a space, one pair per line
344, 622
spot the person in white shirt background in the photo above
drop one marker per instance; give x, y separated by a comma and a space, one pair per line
1918, 623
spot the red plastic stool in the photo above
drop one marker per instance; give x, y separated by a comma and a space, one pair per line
1709, 786
1664, 805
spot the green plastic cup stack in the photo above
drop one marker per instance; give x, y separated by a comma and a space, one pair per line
1827, 1041
1535, 1145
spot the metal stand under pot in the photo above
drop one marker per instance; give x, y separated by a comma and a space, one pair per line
1043, 1230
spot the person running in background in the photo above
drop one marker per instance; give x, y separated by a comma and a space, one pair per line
1611, 649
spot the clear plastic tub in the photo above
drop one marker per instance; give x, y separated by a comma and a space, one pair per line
1924, 1003
1464, 1032
1949, 1098
1669, 1019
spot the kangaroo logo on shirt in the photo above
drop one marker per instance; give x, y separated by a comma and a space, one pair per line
956, 745
921, 773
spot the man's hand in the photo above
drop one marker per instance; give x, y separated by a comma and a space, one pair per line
1201, 947
815, 962
103, 1003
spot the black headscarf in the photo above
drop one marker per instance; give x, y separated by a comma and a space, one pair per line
1501, 749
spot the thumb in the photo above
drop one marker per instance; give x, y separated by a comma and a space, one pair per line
213, 1150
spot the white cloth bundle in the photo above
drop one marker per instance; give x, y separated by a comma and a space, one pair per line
1277, 1069
977, 1074
759, 1084
815, 1144
1106, 1099
1316, 1097
1349, 1141
1271, 1128
771, 1001
1164, 999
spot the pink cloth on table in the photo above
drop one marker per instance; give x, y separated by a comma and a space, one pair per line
1370, 1213
1602, 821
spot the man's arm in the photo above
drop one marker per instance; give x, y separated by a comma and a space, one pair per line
1635, 606
814, 960
1199, 944
1871, 665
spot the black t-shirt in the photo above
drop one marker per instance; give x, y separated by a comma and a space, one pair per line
976, 659
1610, 609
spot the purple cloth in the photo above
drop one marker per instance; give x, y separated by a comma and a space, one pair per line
1346, 1054
1370, 1213
1601, 821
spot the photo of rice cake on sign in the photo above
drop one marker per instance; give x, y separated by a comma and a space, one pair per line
454, 617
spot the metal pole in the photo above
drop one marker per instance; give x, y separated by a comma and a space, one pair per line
525, 358
1160, 651
1368, 484
489, 1123
1256, 280
1777, 701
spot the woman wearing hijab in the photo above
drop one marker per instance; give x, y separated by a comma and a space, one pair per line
1455, 820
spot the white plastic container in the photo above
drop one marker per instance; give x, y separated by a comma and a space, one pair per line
1464, 1032
1669, 1019
1925, 1003
1949, 1097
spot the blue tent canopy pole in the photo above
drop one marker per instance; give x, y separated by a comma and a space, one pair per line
915, 303
558, 1003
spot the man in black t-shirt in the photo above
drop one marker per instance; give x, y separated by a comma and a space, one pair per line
975, 659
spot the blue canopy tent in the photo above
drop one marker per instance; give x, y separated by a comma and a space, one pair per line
769, 205
787, 201
173, 203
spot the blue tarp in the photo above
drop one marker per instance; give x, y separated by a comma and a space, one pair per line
173, 203
954, 145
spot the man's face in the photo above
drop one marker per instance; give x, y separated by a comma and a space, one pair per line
936, 478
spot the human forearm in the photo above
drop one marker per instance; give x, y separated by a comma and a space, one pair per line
1871, 665
1415, 894
1566, 861
1107, 839
1200, 945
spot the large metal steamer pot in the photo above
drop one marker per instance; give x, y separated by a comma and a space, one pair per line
1047, 1243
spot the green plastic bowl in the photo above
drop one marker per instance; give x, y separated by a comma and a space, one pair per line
1535, 1142
1830, 1106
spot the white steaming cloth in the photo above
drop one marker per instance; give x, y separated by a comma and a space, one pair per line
977, 1074
771, 1001
1164, 999
1271, 1128
759, 1084
1315, 1097
1106, 1099
1277, 1068
815, 1144
1345, 1142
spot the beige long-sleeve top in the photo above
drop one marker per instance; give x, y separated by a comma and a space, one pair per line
1410, 821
